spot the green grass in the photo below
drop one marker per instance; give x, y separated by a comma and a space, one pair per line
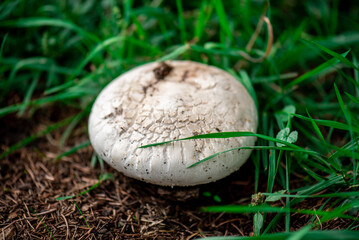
64, 52
43, 223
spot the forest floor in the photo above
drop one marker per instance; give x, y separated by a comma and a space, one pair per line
122, 208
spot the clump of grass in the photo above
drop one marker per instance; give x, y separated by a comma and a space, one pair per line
306, 89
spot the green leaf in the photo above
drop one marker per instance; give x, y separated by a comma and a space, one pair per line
257, 223
217, 198
275, 196
287, 136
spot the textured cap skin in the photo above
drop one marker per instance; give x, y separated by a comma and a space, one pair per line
139, 108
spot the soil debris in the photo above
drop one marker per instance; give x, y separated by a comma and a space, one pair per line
162, 70
31, 179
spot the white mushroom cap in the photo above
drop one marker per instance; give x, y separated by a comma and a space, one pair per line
159, 102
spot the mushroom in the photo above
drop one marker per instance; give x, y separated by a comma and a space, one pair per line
159, 102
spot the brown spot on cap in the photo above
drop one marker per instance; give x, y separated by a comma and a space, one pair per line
162, 70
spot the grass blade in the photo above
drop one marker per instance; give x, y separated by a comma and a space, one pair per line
74, 149
41, 22
181, 21
174, 53
310, 235
269, 209
43, 223
314, 71
222, 17
88, 226
336, 55
35, 136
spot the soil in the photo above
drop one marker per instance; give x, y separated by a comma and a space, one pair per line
123, 208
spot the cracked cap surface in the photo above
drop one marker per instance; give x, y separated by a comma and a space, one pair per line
138, 108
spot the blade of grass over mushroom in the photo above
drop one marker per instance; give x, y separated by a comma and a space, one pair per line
36, 136
227, 135
41, 22
255, 148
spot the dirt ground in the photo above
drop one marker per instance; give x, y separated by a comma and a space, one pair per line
31, 178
